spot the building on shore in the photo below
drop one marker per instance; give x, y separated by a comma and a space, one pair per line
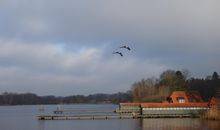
179, 104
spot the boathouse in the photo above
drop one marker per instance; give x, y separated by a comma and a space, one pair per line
179, 103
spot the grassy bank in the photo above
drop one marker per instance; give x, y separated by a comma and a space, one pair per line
212, 114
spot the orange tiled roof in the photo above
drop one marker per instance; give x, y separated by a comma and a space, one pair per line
192, 96
192, 99
214, 101
177, 94
160, 105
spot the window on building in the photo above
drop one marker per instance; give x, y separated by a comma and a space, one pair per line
181, 99
170, 100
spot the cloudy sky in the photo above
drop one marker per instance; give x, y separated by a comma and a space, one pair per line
65, 47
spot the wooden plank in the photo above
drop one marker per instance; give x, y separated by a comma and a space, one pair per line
91, 117
105, 117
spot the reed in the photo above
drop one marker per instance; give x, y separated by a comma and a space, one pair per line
212, 114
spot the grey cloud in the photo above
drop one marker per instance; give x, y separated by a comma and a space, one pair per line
68, 40
107, 20
50, 69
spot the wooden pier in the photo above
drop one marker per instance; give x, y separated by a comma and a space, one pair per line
105, 117
85, 117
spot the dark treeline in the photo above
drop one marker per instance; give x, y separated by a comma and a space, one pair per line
158, 89
32, 99
145, 90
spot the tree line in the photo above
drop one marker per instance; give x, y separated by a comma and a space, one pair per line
159, 89
33, 99
145, 90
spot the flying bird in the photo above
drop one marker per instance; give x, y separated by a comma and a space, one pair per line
127, 47
118, 53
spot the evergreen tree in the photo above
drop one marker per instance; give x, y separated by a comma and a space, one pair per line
215, 76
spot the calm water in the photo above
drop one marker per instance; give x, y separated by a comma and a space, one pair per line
24, 118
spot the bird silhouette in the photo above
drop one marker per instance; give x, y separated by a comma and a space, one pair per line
118, 53
126, 47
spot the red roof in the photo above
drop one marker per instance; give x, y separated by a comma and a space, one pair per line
177, 94
160, 105
189, 99
214, 101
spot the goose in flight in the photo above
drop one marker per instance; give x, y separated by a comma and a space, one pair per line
118, 53
127, 47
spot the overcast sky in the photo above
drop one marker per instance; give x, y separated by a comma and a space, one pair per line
64, 47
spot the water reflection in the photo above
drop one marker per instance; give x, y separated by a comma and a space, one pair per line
41, 125
179, 124
132, 124
213, 125
24, 118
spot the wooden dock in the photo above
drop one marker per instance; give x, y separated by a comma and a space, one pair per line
105, 117
107, 114
85, 117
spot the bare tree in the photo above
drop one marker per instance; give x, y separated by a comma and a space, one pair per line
144, 90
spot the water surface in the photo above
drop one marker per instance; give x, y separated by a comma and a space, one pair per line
24, 118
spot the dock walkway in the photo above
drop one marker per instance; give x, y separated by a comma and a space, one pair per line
84, 117
95, 117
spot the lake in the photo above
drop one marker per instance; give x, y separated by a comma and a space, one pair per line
24, 118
